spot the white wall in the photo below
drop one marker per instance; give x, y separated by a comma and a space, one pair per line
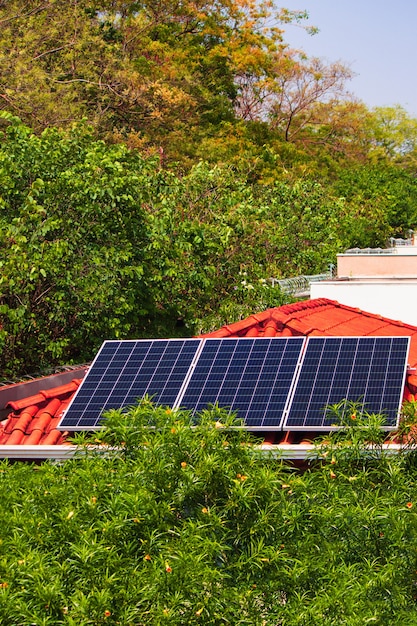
396, 300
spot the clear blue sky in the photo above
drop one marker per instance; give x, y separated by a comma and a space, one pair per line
377, 39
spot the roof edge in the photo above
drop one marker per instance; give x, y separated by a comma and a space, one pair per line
284, 451
38, 452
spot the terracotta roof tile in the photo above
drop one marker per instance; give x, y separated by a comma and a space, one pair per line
3, 438
253, 332
45, 394
54, 438
15, 437
271, 329
62, 390
34, 419
10, 424
23, 421
17, 405
41, 421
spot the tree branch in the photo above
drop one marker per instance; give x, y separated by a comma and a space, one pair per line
16, 17
67, 45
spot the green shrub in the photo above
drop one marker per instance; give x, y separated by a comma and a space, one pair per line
162, 521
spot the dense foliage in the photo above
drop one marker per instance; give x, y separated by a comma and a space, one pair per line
190, 80
181, 525
98, 241
151, 72
161, 162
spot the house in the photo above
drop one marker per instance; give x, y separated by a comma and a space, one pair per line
380, 280
31, 411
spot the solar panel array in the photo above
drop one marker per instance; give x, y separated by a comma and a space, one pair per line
271, 383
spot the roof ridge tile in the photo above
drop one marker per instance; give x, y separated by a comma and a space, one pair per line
62, 389
44, 394
23, 403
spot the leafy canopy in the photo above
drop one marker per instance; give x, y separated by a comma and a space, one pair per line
99, 241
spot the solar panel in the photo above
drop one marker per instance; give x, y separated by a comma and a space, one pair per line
370, 370
271, 383
252, 376
123, 372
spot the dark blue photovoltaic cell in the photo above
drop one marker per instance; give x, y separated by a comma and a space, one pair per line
370, 370
123, 372
250, 376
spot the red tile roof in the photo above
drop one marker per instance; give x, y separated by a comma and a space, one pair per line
33, 419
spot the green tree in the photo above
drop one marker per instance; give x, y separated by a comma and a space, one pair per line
73, 234
301, 86
98, 241
157, 74
381, 201
394, 135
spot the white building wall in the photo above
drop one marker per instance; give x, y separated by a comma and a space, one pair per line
396, 300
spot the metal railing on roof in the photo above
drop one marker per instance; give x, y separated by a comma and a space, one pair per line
400, 242
393, 242
370, 251
299, 285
